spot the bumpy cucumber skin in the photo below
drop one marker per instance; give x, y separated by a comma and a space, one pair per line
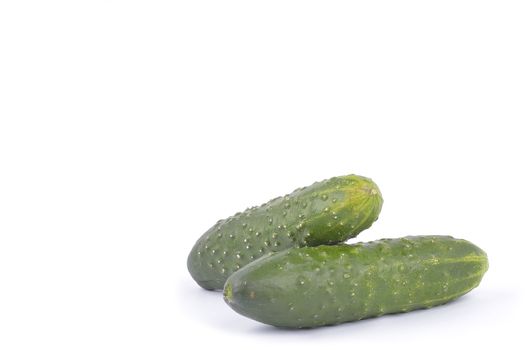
316, 286
327, 212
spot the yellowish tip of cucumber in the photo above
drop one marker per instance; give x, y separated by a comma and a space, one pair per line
228, 293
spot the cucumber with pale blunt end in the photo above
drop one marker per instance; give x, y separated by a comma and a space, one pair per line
317, 286
327, 212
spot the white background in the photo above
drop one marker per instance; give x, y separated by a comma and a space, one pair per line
127, 128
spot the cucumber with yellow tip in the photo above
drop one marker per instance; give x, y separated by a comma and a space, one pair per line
327, 212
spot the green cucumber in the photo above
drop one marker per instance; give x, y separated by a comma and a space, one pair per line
327, 212
316, 286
